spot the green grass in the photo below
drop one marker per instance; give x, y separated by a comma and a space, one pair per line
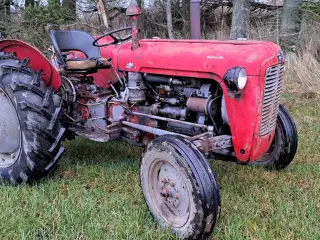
96, 194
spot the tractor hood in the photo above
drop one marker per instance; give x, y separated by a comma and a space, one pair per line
207, 59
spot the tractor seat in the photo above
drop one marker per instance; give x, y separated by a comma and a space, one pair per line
73, 40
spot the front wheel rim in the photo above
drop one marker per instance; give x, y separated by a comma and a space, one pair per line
10, 133
169, 193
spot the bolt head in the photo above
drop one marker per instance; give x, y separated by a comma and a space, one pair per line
164, 180
165, 193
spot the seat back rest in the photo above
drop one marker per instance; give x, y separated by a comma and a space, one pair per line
73, 40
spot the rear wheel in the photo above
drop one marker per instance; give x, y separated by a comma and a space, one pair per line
284, 144
179, 187
30, 134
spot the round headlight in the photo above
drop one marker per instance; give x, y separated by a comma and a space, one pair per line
236, 78
242, 79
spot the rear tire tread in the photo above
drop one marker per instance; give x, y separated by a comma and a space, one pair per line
41, 131
36, 79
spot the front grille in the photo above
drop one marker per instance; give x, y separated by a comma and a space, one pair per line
271, 98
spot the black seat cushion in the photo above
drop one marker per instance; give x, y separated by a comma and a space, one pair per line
69, 40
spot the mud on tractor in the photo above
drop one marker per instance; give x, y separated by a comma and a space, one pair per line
184, 101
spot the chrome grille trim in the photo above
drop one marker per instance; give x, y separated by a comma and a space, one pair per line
271, 98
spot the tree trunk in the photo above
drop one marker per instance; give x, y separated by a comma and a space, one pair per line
240, 19
185, 16
169, 20
29, 3
4, 16
4, 10
71, 7
102, 12
140, 4
290, 23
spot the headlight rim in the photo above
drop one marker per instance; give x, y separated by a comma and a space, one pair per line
232, 77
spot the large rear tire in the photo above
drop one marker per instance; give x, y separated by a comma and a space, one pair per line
30, 132
284, 145
180, 188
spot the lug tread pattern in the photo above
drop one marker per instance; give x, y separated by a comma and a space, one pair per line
57, 140
35, 127
9, 55
39, 122
54, 118
18, 86
24, 177
36, 79
47, 97
55, 160
30, 106
19, 68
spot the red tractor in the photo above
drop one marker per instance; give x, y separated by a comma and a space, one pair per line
185, 101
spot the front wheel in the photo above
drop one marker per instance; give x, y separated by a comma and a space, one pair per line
284, 144
180, 188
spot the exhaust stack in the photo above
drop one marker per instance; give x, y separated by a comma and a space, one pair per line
195, 19
133, 12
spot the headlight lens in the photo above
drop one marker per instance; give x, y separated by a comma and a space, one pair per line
236, 78
242, 79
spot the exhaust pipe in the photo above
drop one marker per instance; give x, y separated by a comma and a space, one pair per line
195, 19
133, 12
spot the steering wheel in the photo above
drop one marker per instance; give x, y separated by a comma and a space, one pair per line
116, 40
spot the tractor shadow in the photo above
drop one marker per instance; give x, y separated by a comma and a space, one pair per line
240, 181
85, 152
235, 180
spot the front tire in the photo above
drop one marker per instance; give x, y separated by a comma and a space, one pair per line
30, 134
284, 145
179, 187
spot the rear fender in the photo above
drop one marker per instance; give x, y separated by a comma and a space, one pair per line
38, 61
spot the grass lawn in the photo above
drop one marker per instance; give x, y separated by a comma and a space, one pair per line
95, 194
